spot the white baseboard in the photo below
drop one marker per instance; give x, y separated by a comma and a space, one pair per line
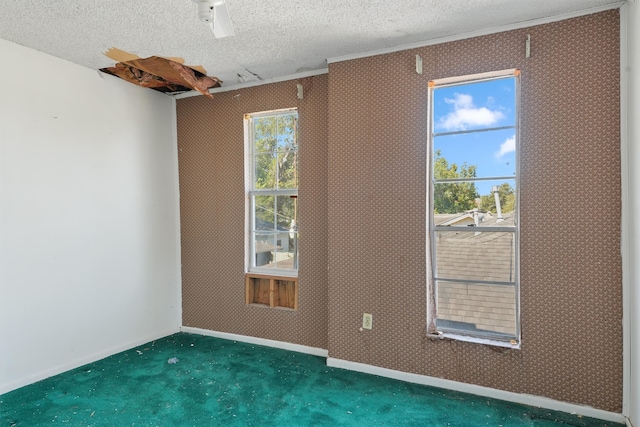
525, 399
314, 351
30, 379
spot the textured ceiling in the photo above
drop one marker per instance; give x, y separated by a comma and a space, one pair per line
274, 38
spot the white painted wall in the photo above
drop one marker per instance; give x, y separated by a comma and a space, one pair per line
632, 305
89, 237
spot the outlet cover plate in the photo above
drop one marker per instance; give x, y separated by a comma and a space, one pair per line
367, 321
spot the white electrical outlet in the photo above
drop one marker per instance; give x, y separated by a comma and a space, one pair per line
367, 321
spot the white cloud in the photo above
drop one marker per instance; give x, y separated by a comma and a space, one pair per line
508, 146
465, 114
461, 100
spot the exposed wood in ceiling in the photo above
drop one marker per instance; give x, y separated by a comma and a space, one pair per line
167, 75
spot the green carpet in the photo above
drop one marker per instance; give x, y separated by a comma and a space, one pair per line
218, 382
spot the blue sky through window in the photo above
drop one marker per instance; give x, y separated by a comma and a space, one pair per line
475, 106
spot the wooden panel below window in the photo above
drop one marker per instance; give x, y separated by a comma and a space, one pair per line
272, 291
261, 291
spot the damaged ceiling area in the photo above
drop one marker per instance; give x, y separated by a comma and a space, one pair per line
168, 75
272, 38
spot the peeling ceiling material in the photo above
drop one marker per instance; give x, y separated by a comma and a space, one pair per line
273, 38
167, 75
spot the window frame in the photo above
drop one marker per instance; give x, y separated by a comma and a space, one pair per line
502, 340
251, 269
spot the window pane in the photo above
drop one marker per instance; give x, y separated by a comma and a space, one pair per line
476, 308
277, 250
288, 169
264, 213
287, 132
506, 201
286, 255
454, 203
476, 105
264, 133
276, 235
265, 171
480, 154
265, 247
454, 198
287, 247
477, 256
287, 212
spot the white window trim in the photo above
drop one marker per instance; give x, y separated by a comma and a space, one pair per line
249, 209
432, 331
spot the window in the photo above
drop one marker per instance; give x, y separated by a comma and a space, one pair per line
473, 196
273, 203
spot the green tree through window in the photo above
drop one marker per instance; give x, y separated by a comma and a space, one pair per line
453, 197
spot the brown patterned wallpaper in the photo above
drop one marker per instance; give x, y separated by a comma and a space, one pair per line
363, 151
570, 218
212, 212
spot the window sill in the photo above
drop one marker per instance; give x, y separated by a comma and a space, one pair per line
476, 340
278, 273
266, 306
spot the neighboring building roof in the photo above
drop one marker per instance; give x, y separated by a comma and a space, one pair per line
263, 225
455, 219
